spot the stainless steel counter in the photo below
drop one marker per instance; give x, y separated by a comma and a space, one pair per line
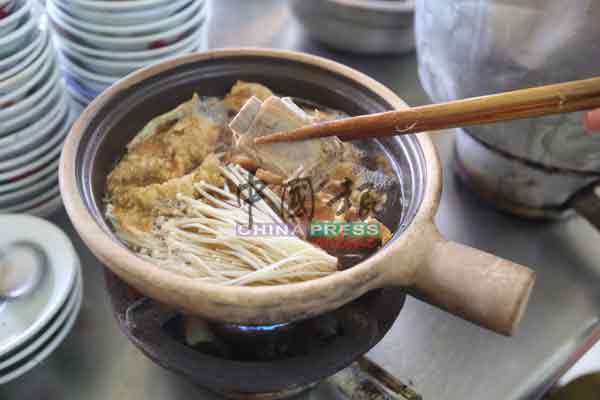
443, 357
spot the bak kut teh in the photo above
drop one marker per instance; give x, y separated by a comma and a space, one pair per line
194, 194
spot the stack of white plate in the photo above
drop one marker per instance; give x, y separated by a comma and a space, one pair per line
100, 41
34, 114
34, 325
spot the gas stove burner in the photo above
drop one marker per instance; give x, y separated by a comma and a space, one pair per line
257, 328
254, 361
253, 330
254, 343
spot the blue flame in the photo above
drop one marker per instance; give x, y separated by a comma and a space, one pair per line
260, 328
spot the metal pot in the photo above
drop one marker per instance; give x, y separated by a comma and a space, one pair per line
540, 167
477, 286
523, 187
370, 27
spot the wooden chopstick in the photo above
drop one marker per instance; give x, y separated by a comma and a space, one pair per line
526, 103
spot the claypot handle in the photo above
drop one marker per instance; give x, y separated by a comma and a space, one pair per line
487, 290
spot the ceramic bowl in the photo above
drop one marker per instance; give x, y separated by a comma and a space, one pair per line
7, 5
83, 90
149, 27
53, 139
45, 195
493, 294
93, 79
10, 198
26, 81
32, 114
117, 6
19, 184
24, 197
34, 96
134, 56
35, 134
45, 210
32, 40
16, 15
17, 39
374, 26
144, 42
32, 167
33, 55
117, 67
124, 18
15, 83
80, 102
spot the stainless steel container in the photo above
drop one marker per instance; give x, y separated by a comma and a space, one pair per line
369, 27
531, 167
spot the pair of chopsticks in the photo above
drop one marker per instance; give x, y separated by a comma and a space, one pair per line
526, 103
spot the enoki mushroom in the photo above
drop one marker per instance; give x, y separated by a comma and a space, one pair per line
201, 239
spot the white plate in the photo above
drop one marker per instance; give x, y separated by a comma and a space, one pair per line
46, 333
26, 138
34, 113
23, 318
52, 344
47, 209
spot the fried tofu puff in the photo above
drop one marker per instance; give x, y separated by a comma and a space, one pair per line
134, 205
242, 91
162, 161
171, 148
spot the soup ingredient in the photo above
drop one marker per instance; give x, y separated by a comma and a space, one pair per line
170, 146
242, 91
314, 158
200, 237
192, 187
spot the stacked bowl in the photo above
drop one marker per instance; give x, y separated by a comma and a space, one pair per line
100, 41
34, 113
34, 323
